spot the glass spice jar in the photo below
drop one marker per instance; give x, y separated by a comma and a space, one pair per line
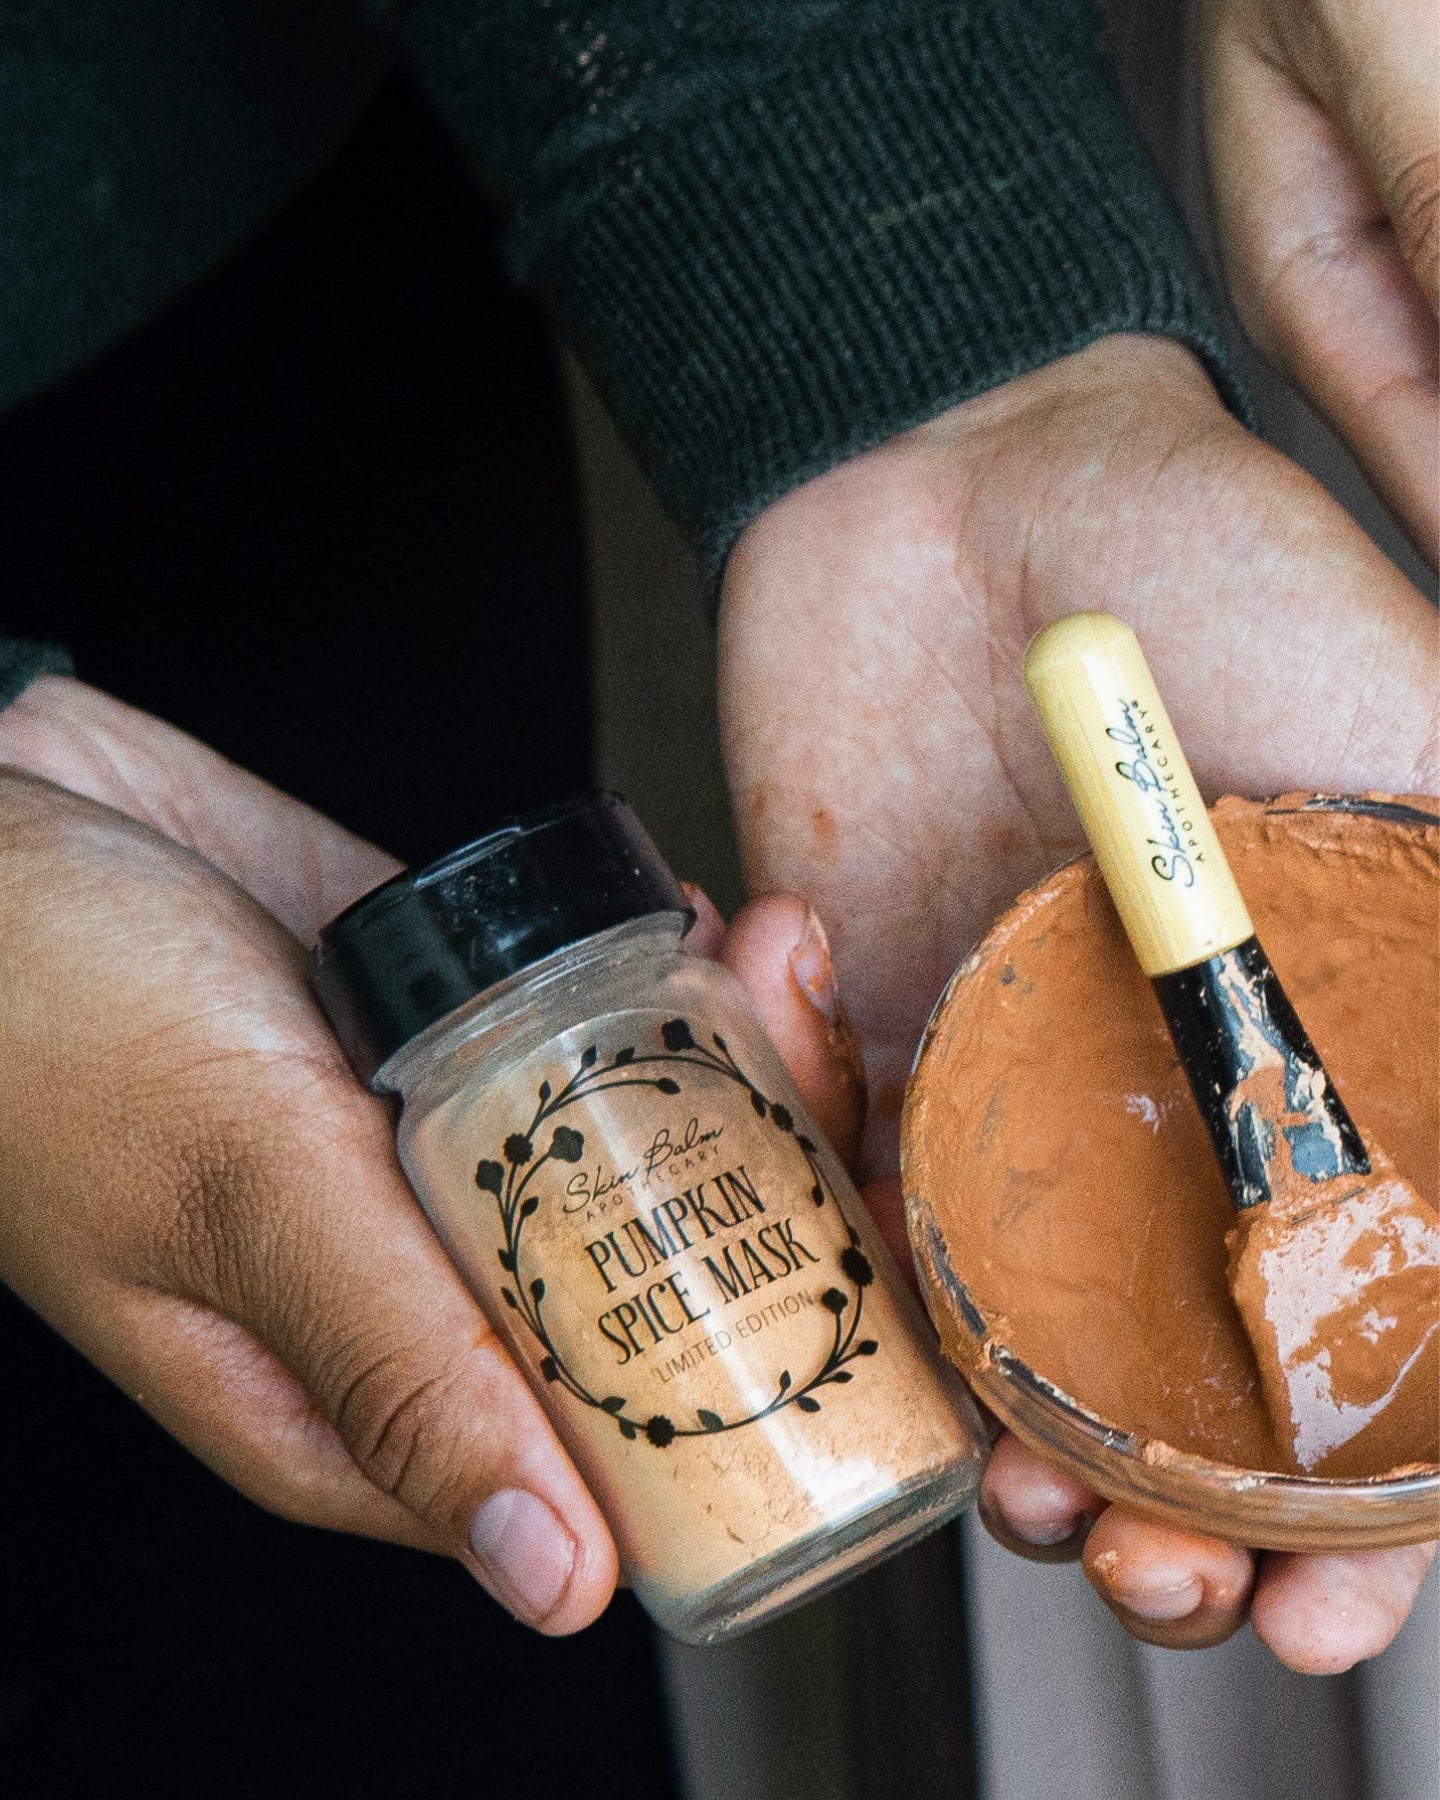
623, 1173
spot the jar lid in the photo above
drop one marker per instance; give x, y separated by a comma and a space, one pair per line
428, 941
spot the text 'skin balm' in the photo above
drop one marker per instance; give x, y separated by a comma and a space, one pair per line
622, 1171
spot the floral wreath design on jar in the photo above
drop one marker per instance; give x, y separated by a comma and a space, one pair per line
507, 1182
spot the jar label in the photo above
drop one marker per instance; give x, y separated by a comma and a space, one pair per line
674, 1249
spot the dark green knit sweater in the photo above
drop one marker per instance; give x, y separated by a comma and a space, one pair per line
774, 233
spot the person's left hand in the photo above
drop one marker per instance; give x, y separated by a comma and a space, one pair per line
885, 763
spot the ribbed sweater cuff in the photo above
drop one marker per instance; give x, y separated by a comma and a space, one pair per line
22, 659
766, 293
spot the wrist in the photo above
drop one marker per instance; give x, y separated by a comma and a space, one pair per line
1124, 369
1127, 391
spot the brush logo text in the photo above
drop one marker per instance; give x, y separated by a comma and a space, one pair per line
1155, 775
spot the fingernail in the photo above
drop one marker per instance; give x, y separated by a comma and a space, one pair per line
1042, 1540
525, 1554
1159, 1601
813, 970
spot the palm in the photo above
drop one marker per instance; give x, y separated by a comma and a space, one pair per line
183, 1017
884, 759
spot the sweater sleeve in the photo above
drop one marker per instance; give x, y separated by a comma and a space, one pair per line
22, 659
776, 234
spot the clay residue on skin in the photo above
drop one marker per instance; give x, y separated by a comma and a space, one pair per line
845, 1060
826, 834
1053, 1137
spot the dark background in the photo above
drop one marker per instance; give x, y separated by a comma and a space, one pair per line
322, 514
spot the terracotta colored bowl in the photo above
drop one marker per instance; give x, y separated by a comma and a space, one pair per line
1094, 1322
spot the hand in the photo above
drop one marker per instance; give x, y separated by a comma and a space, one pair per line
201, 1197
1322, 121
885, 763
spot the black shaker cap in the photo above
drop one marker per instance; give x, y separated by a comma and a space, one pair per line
428, 941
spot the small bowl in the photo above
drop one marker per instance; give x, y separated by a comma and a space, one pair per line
1094, 1329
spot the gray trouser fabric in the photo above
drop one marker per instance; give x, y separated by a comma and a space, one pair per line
1065, 1705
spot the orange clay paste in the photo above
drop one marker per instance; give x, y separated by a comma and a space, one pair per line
1054, 1137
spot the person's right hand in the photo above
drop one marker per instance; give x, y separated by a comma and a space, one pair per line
198, 1193
1322, 127
201, 1197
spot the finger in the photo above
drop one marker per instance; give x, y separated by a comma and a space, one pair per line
1034, 1509
1320, 279
884, 1199
707, 934
229, 1400
1166, 1586
356, 1299
1323, 1614
778, 948
1380, 62
214, 1148
302, 867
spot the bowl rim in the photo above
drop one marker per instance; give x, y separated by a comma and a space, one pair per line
1000, 1376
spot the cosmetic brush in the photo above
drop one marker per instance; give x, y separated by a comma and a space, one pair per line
1334, 1261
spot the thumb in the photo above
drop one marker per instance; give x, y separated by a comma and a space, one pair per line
357, 1301
778, 948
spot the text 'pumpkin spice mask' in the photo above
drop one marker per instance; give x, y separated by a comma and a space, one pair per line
623, 1173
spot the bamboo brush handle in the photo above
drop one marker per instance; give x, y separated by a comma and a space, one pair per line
1133, 789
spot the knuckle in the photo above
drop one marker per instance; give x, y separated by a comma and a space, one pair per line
231, 1171
1268, 280
1414, 205
403, 1420
212, 1182
1262, 313
1277, 308
1284, 296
